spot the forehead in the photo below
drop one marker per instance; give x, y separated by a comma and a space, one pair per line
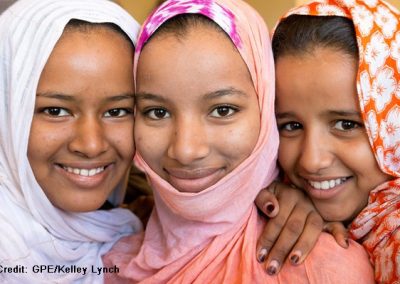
201, 50
204, 61
325, 75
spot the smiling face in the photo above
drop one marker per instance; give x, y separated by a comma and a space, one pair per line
324, 147
81, 139
198, 116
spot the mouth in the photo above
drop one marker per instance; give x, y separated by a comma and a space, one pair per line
84, 172
327, 184
85, 176
193, 180
326, 189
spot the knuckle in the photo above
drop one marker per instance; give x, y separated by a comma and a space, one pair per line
315, 220
266, 239
280, 252
295, 227
277, 223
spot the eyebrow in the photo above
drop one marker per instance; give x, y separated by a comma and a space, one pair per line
70, 98
121, 97
282, 115
343, 113
148, 96
231, 91
57, 96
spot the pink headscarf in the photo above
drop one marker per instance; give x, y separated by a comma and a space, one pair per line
211, 236
377, 26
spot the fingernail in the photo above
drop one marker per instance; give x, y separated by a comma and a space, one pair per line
262, 254
270, 207
295, 258
273, 267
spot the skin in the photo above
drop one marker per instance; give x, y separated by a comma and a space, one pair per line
83, 119
195, 97
322, 135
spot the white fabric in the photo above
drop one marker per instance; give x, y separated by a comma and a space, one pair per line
33, 231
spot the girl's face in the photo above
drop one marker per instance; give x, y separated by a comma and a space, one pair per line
198, 116
324, 147
81, 139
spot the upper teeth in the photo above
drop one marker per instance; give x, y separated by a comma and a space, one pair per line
84, 172
326, 184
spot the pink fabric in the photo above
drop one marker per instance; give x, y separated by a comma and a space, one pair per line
377, 26
211, 236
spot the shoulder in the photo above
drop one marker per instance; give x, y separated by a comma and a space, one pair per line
351, 264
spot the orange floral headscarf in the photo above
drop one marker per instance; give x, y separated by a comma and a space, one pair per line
377, 27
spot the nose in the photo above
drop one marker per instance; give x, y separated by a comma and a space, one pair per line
189, 142
316, 153
89, 139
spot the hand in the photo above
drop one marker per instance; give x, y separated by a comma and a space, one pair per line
339, 232
293, 228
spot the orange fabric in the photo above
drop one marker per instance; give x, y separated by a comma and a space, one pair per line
378, 84
210, 236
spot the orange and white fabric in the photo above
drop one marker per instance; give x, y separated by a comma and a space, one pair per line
211, 236
377, 26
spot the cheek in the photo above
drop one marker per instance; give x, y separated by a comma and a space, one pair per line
287, 156
151, 143
44, 141
239, 140
122, 138
362, 161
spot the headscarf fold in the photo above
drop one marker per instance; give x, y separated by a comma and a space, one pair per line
211, 236
34, 232
377, 26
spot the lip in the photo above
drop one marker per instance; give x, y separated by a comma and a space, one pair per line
325, 194
193, 180
85, 182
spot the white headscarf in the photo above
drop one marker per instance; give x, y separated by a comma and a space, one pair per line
33, 231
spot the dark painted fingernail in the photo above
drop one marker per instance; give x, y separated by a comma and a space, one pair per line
295, 257
262, 254
273, 267
270, 207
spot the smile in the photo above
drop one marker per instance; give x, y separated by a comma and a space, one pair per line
193, 181
327, 184
84, 172
86, 176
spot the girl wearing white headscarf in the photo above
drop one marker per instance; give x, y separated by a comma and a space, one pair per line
34, 231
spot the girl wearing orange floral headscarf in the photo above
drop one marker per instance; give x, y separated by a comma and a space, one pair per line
337, 73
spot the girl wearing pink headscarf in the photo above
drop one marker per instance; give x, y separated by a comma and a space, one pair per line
206, 136
339, 120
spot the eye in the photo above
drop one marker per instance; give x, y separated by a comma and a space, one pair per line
346, 125
223, 111
157, 113
55, 111
290, 126
117, 112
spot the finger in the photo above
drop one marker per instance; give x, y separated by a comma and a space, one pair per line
286, 240
275, 225
267, 203
269, 235
339, 232
308, 238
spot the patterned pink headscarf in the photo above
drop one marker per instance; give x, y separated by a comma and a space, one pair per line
377, 26
211, 236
